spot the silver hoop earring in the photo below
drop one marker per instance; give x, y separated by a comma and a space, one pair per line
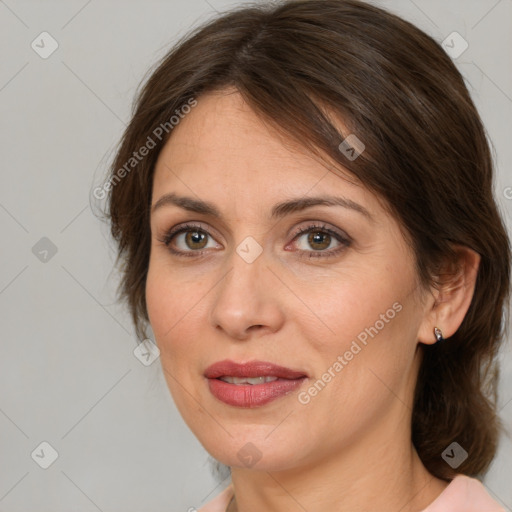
438, 334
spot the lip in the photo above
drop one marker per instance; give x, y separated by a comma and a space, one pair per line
252, 395
251, 369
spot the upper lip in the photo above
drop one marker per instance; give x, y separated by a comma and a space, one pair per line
228, 368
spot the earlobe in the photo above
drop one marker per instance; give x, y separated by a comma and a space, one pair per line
452, 296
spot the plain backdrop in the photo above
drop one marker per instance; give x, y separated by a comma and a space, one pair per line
69, 377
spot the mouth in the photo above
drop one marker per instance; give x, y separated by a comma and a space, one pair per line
251, 384
253, 381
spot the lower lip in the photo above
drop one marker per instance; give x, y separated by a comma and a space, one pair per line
247, 395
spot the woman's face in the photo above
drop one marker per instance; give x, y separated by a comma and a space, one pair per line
338, 305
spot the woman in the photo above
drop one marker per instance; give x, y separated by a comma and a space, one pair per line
303, 206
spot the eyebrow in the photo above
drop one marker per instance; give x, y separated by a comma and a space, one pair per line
279, 210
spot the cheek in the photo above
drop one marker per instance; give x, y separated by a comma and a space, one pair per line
359, 327
166, 306
360, 304
169, 296
158, 301
176, 313
167, 311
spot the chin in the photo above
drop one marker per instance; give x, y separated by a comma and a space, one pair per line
254, 449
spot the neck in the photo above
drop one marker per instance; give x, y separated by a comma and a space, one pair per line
380, 472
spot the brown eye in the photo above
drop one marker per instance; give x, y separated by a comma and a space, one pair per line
196, 239
319, 240
188, 240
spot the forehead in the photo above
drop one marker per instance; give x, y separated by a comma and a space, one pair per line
222, 148
224, 134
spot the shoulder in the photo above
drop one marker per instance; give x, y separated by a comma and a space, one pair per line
464, 494
220, 502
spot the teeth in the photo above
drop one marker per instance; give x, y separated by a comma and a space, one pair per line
247, 380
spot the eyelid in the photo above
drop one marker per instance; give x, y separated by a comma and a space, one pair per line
186, 226
341, 237
320, 226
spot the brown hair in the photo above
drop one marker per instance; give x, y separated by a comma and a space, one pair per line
426, 155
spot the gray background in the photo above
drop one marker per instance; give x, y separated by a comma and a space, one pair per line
68, 373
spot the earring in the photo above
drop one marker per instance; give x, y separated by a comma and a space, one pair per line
438, 334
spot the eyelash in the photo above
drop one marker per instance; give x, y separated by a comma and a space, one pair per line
345, 241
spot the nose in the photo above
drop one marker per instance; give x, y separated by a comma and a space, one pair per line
247, 301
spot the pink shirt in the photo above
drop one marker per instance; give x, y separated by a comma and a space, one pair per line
463, 494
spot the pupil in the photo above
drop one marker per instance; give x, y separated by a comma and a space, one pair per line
195, 237
317, 237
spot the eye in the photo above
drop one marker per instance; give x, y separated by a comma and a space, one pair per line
319, 238
190, 239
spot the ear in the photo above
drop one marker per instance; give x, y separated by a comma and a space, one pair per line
450, 299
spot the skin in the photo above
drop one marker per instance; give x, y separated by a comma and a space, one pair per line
349, 449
